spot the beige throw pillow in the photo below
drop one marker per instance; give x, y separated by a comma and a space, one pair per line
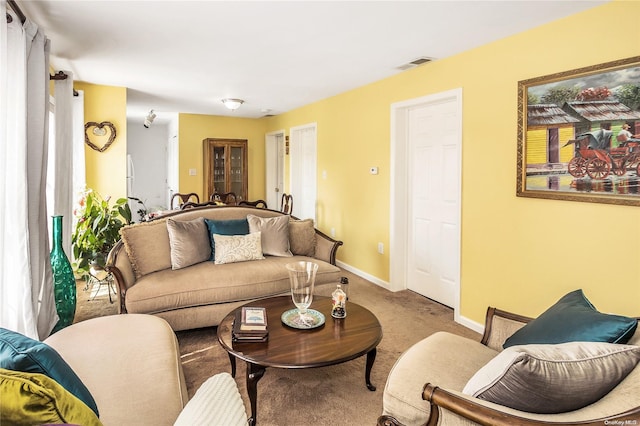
147, 245
553, 378
275, 234
189, 242
237, 248
302, 237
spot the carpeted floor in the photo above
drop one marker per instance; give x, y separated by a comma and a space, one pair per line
334, 395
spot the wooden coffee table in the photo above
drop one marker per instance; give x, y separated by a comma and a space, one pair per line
337, 341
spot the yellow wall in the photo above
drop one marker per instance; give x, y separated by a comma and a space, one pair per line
518, 254
106, 171
194, 128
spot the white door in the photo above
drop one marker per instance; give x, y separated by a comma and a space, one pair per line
274, 182
303, 165
429, 136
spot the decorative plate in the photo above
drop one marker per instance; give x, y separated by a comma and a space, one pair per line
312, 319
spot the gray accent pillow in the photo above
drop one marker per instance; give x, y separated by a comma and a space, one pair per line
237, 248
275, 233
189, 242
550, 379
302, 237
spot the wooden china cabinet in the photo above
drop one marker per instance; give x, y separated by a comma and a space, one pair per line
225, 167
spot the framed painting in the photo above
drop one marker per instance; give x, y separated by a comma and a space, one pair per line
579, 134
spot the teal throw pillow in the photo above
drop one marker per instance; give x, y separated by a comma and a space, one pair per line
225, 227
21, 353
574, 319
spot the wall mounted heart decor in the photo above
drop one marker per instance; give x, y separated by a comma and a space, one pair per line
100, 131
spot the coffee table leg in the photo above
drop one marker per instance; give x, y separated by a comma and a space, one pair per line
232, 360
254, 374
371, 357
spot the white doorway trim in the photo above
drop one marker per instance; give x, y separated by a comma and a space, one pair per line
274, 168
399, 202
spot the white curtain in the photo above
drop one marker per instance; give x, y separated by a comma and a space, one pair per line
26, 285
79, 177
62, 159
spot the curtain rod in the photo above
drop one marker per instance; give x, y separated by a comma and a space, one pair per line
17, 10
60, 75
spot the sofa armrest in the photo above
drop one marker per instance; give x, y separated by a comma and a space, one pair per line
119, 265
326, 247
500, 325
466, 407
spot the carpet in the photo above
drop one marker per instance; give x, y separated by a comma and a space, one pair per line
334, 395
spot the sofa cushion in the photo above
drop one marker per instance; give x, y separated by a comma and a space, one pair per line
302, 237
147, 245
207, 283
35, 398
225, 227
237, 248
444, 359
131, 363
189, 242
573, 318
275, 234
21, 353
552, 379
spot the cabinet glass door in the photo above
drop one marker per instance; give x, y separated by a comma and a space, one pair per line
236, 172
219, 170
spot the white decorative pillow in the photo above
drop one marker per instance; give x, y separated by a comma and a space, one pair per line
217, 401
551, 379
275, 233
189, 242
237, 248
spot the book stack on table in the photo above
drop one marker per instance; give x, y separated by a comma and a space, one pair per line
250, 325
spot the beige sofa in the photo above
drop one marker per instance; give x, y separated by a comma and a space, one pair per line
425, 385
202, 294
131, 366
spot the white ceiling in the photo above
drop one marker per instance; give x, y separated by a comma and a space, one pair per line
185, 56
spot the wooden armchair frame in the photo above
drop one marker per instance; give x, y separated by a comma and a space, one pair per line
286, 204
439, 398
184, 198
261, 204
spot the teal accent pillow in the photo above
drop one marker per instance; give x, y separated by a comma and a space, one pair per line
225, 227
21, 353
574, 319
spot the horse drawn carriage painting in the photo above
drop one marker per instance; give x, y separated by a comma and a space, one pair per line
579, 134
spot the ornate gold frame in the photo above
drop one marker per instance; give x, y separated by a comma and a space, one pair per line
570, 195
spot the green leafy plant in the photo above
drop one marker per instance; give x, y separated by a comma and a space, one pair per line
96, 230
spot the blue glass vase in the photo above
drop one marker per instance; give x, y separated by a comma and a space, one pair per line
64, 282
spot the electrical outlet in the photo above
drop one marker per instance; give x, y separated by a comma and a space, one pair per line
380, 248
373, 170
192, 172
333, 232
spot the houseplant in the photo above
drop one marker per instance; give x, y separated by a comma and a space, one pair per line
96, 230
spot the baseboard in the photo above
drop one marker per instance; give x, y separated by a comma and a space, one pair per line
475, 326
362, 274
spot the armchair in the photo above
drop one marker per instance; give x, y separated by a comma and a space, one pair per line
444, 363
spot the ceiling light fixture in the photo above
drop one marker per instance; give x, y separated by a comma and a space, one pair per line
232, 104
149, 119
